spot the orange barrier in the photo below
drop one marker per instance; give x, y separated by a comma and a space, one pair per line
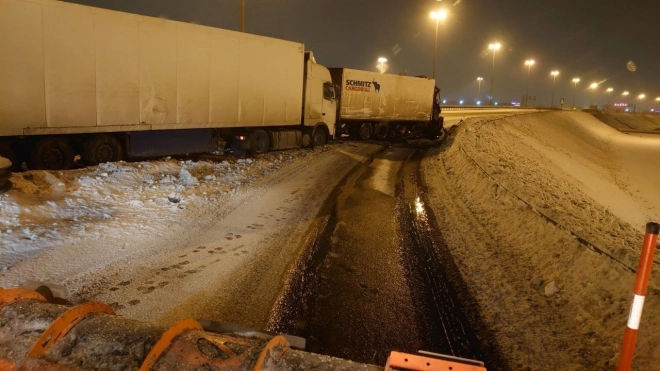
89, 336
639, 294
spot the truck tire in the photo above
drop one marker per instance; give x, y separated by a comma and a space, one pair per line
259, 142
102, 148
7, 152
51, 154
319, 137
382, 131
5, 174
365, 131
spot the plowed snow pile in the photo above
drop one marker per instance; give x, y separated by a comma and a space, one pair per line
51, 221
545, 216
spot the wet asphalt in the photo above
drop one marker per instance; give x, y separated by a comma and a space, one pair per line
376, 277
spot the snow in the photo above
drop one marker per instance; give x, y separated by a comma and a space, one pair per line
4, 163
545, 215
50, 220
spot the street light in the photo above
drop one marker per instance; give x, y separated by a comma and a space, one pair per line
641, 97
529, 63
479, 80
575, 82
609, 95
440, 15
494, 47
554, 78
382, 67
593, 87
242, 15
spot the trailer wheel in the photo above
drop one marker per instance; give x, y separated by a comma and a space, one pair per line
319, 137
102, 148
259, 142
382, 131
51, 154
365, 131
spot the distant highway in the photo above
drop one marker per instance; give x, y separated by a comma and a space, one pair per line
454, 115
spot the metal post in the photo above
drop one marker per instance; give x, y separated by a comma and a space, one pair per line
492, 77
479, 90
529, 72
554, 79
641, 285
574, 93
242, 15
435, 50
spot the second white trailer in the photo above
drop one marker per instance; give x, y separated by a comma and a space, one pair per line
382, 105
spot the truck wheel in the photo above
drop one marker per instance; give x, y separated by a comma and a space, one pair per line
51, 154
365, 131
259, 142
382, 131
7, 152
102, 148
319, 137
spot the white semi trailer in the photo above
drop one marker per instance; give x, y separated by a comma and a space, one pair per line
79, 80
378, 105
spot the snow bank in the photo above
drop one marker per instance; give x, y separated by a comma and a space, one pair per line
537, 212
111, 209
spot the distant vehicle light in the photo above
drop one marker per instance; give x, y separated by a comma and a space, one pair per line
496, 103
478, 103
444, 101
460, 102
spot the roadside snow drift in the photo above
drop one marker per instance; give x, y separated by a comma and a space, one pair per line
545, 215
112, 210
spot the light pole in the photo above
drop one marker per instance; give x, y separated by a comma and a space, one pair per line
438, 16
494, 47
381, 65
242, 15
479, 80
641, 97
625, 94
554, 78
529, 63
609, 96
593, 86
575, 82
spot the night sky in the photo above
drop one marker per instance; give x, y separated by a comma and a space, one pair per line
589, 39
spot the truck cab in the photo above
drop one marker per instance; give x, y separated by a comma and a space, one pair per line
320, 99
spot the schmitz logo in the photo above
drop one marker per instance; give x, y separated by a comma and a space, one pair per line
360, 85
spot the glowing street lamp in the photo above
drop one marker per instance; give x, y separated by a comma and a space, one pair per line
575, 82
494, 47
382, 66
479, 80
593, 86
640, 97
439, 15
554, 75
529, 63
